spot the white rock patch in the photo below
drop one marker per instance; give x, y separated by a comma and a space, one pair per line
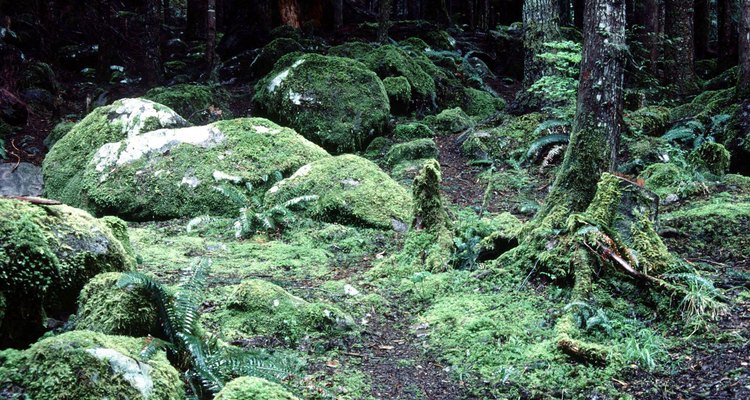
134, 113
138, 375
281, 77
223, 176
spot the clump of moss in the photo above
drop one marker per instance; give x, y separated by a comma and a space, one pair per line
272, 52
84, 365
650, 121
60, 130
377, 148
355, 50
665, 178
260, 308
102, 307
481, 104
414, 150
415, 44
178, 179
391, 61
189, 100
705, 105
252, 388
713, 157
65, 163
47, 254
449, 121
350, 190
399, 93
412, 130
509, 142
335, 102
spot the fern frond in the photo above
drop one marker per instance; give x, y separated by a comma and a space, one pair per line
234, 195
204, 219
159, 297
301, 200
551, 125
545, 141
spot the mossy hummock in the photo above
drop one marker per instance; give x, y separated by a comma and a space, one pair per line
350, 190
66, 161
173, 173
189, 100
414, 150
252, 388
335, 102
88, 365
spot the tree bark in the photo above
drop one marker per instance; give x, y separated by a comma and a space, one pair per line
681, 52
728, 36
743, 85
104, 55
647, 16
565, 17
578, 11
702, 23
541, 23
196, 19
384, 19
338, 13
596, 131
211, 34
151, 47
290, 13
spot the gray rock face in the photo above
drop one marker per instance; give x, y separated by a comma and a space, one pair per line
25, 180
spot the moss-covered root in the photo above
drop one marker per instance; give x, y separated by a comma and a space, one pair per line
251, 388
431, 236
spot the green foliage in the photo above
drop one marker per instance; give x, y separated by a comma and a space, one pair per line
196, 103
252, 388
413, 150
412, 130
701, 301
399, 93
449, 121
558, 91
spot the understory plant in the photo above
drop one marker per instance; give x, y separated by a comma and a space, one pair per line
559, 90
208, 363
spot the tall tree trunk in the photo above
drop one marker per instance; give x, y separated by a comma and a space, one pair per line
681, 52
702, 24
647, 15
151, 47
579, 7
743, 85
384, 19
196, 19
541, 23
211, 34
104, 56
728, 36
565, 16
290, 13
596, 132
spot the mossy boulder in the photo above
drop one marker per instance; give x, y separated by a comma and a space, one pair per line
449, 121
705, 105
103, 307
713, 157
355, 50
60, 130
392, 61
335, 102
171, 173
259, 308
414, 150
664, 179
252, 388
47, 254
717, 228
350, 190
272, 52
651, 121
190, 100
88, 365
412, 130
481, 104
66, 161
508, 142
399, 93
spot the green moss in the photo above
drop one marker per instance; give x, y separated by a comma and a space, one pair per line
259, 308
481, 104
391, 61
713, 157
724, 80
405, 171
180, 180
414, 150
412, 130
705, 105
66, 161
651, 252
335, 102
399, 93
602, 210
650, 121
664, 178
449, 121
102, 307
508, 142
251, 388
60, 130
350, 190
414, 44
85, 365
355, 50
272, 52
189, 100
47, 254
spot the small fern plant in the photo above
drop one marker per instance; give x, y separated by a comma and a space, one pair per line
208, 363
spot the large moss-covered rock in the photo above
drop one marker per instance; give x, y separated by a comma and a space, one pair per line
481, 104
47, 254
189, 100
414, 150
392, 61
259, 308
712, 157
450, 121
412, 130
172, 173
651, 121
67, 159
350, 190
252, 388
399, 93
102, 307
87, 365
335, 102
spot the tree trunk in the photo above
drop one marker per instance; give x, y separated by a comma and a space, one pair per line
104, 55
596, 132
290, 13
211, 34
647, 15
196, 19
151, 46
702, 23
384, 19
681, 52
743, 85
578, 11
728, 36
541, 23
338, 13
565, 16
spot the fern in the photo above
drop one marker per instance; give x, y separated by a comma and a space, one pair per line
551, 126
545, 141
